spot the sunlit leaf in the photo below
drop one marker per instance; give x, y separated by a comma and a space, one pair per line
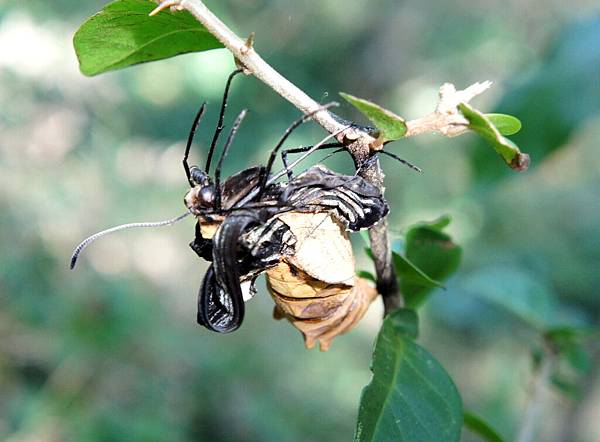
123, 34
392, 126
480, 427
506, 124
508, 150
411, 397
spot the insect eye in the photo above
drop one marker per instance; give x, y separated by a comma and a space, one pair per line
206, 196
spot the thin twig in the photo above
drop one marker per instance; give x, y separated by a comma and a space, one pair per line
537, 396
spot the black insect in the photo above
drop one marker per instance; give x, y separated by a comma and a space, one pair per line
230, 214
238, 228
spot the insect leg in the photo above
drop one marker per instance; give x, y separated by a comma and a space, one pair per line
220, 126
234, 129
286, 134
186, 166
284, 154
202, 246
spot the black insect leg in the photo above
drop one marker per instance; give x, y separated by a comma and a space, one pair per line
284, 154
202, 246
186, 166
234, 129
220, 126
286, 134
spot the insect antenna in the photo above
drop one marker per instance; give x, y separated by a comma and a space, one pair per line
220, 126
232, 133
86, 242
286, 134
396, 157
190, 139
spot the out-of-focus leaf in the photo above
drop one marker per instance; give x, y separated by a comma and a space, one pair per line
123, 34
480, 427
555, 98
517, 292
508, 150
411, 397
566, 386
392, 126
506, 124
431, 251
409, 272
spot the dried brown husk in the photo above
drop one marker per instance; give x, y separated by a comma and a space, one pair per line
316, 288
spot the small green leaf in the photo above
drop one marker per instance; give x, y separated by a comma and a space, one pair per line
410, 273
366, 275
506, 124
508, 150
434, 253
392, 126
480, 427
411, 397
123, 34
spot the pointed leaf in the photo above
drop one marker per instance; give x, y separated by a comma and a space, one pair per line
434, 253
123, 34
508, 150
392, 126
409, 272
411, 398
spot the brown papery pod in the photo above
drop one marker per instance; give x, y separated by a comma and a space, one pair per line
316, 288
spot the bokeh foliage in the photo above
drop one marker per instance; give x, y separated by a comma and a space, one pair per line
112, 351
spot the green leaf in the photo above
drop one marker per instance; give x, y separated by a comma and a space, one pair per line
434, 253
517, 292
508, 150
506, 124
123, 34
411, 397
366, 275
410, 273
392, 126
480, 427
406, 321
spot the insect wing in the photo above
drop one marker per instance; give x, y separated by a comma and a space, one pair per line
216, 307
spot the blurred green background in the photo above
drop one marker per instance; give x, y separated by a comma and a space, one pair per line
112, 351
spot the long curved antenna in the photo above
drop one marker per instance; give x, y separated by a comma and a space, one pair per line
286, 134
234, 129
220, 126
86, 242
190, 139
406, 163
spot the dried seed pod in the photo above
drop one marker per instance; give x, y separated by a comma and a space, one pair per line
315, 288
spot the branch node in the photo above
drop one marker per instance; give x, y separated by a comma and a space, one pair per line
172, 4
